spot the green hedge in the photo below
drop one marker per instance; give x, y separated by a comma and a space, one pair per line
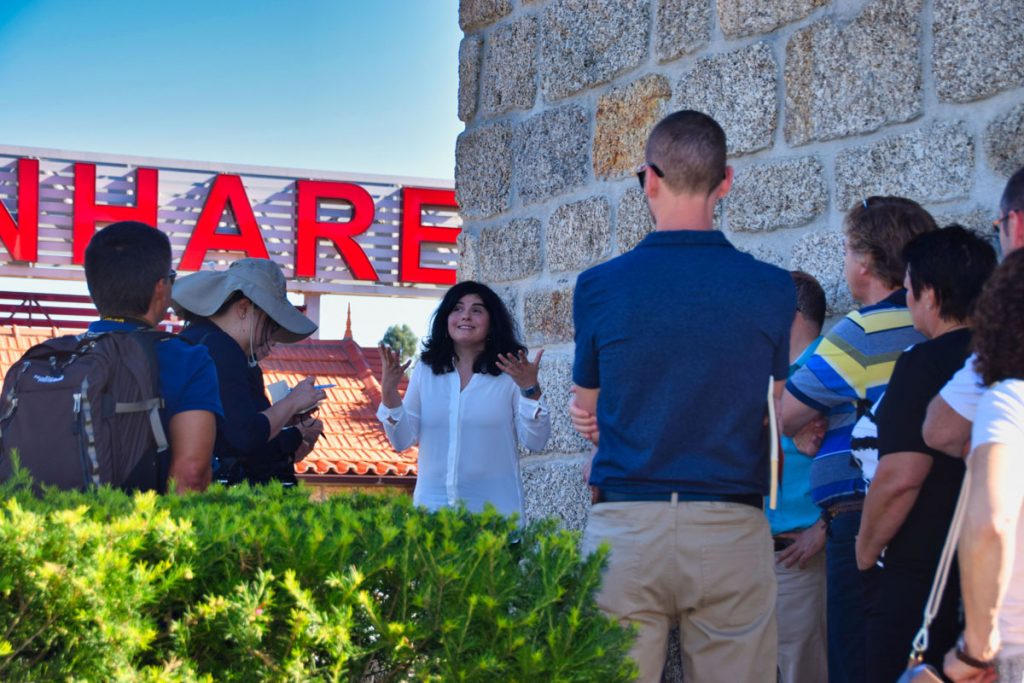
262, 584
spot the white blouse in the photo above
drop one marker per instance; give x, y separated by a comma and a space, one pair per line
467, 438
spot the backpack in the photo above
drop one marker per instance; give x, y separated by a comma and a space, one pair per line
84, 410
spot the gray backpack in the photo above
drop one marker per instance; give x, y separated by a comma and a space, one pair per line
84, 410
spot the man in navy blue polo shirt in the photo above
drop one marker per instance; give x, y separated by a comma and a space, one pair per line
677, 343
128, 270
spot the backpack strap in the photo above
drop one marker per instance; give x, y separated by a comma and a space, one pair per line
148, 339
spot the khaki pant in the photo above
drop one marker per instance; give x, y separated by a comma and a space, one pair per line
706, 566
803, 647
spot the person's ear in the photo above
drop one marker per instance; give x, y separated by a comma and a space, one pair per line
726, 184
1015, 228
243, 307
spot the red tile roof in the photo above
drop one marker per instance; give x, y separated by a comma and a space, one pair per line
353, 440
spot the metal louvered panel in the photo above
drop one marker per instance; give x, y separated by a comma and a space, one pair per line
183, 189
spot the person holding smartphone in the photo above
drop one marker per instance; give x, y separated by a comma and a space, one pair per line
239, 314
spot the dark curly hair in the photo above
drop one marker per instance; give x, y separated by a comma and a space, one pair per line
880, 227
999, 323
502, 337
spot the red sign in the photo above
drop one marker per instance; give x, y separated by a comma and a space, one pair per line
226, 202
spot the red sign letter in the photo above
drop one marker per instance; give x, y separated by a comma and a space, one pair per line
227, 192
414, 234
87, 213
21, 239
310, 230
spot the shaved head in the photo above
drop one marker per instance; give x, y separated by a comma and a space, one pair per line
689, 148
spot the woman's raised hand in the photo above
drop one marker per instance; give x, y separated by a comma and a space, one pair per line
520, 369
391, 373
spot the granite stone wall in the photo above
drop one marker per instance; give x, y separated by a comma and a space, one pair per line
823, 101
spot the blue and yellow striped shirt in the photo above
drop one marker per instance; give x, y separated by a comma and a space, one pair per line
844, 377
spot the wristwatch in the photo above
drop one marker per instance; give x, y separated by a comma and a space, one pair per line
530, 392
961, 654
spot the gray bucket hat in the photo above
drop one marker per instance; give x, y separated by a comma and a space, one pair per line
260, 280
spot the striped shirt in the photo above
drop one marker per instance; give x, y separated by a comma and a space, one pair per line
845, 376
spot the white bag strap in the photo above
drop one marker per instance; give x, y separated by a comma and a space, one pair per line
931, 608
773, 434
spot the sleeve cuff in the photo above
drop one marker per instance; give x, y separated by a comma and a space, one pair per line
390, 415
532, 407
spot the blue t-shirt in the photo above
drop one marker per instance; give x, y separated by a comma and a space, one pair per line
682, 335
795, 508
188, 380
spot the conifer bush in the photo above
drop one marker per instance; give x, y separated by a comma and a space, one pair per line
262, 584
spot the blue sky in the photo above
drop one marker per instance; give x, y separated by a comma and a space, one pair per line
338, 85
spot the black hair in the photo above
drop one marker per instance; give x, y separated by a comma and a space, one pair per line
1013, 195
689, 148
502, 337
123, 263
954, 263
810, 297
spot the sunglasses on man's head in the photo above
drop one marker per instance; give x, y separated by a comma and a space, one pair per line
641, 172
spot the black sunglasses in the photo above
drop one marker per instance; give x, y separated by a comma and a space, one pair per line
641, 173
171, 276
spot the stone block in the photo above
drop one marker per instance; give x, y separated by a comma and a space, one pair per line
474, 14
633, 220
625, 117
509, 252
548, 316
578, 234
556, 489
469, 76
777, 195
821, 254
556, 378
510, 67
550, 153
978, 48
466, 246
738, 90
1004, 142
763, 252
931, 164
683, 26
483, 170
587, 42
844, 81
739, 19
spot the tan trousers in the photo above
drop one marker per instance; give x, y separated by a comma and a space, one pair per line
705, 566
800, 611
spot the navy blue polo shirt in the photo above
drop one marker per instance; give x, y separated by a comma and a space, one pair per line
188, 379
682, 335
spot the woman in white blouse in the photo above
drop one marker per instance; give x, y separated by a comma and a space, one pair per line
472, 398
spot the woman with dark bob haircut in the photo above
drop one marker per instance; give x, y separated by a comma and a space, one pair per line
909, 506
472, 400
991, 548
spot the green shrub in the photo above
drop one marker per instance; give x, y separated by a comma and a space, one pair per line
261, 584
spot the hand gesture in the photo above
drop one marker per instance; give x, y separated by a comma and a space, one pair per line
520, 369
808, 543
808, 439
583, 422
391, 373
304, 396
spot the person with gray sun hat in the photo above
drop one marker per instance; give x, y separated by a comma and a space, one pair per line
239, 314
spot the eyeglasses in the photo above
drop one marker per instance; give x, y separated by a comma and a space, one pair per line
641, 172
171, 276
997, 224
